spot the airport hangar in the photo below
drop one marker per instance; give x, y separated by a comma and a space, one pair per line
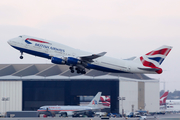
26, 87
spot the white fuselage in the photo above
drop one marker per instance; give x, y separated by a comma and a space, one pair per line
52, 49
173, 105
70, 110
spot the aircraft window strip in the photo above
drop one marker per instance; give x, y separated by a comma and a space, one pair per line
114, 65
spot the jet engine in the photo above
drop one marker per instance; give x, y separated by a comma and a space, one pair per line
72, 61
56, 60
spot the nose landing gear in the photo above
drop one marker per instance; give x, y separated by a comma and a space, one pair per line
21, 57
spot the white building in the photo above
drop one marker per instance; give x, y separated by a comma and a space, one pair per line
29, 86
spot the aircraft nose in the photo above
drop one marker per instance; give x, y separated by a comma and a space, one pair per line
13, 41
9, 41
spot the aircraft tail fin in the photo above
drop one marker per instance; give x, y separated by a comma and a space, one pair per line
163, 98
95, 100
105, 101
152, 60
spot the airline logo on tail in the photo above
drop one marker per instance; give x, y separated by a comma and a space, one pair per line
155, 58
34, 40
163, 98
94, 102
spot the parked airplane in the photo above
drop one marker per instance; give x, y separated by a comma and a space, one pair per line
162, 101
163, 98
72, 110
79, 60
173, 105
169, 105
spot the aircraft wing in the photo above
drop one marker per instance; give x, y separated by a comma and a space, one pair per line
93, 56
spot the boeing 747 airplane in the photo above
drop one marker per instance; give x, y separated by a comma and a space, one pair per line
80, 60
72, 110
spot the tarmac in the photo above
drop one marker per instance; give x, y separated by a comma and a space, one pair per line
157, 117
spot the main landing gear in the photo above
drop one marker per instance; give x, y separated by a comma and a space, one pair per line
79, 71
21, 57
72, 69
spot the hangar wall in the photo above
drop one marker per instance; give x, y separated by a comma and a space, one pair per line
129, 90
138, 95
11, 96
152, 96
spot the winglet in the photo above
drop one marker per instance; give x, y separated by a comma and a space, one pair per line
100, 54
95, 100
131, 58
93, 56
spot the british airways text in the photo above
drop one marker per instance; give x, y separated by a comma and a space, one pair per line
47, 47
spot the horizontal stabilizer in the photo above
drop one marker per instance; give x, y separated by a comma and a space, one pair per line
150, 69
131, 58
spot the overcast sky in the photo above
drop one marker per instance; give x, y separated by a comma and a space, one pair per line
122, 28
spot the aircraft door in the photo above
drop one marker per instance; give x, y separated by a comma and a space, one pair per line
46, 50
27, 43
128, 68
97, 62
73, 54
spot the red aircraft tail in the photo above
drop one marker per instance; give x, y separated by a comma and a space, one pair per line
105, 100
163, 98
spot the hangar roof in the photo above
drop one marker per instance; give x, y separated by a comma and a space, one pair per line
58, 72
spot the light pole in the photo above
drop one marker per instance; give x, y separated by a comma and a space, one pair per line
5, 99
122, 98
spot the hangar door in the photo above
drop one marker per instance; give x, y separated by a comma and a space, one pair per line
39, 93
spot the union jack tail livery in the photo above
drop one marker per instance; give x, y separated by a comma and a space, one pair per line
163, 98
95, 100
152, 60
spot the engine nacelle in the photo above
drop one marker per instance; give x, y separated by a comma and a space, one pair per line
72, 61
56, 60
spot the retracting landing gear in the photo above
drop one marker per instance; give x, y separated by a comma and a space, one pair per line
72, 69
21, 57
82, 71
79, 71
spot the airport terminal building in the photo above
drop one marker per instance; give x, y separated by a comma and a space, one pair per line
26, 87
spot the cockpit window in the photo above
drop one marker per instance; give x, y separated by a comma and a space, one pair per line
20, 36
